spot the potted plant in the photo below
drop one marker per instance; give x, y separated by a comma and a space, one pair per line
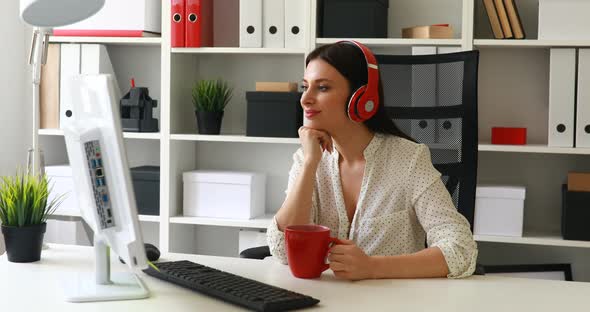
209, 99
23, 213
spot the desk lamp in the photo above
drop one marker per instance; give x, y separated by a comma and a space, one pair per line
43, 15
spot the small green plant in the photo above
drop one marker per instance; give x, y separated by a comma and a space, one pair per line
23, 200
211, 95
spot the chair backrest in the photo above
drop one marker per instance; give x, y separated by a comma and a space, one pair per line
433, 99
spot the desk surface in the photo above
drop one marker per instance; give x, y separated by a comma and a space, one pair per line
35, 287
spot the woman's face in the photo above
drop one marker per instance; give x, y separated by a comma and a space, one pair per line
324, 98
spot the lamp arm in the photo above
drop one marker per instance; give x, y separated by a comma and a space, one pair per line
37, 57
38, 52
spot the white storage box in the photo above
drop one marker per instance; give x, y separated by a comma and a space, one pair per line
128, 18
69, 232
564, 19
61, 182
224, 194
499, 210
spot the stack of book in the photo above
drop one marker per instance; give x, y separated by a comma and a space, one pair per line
504, 19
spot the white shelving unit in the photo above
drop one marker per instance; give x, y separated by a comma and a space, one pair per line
232, 138
534, 239
238, 51
529, 43
155, 41
127, 135
146, 218
533, 148
513, 80
258, 223
393, 42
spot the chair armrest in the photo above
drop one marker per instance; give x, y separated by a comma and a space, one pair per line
256, 253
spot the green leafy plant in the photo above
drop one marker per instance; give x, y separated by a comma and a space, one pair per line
211, 95
23, 200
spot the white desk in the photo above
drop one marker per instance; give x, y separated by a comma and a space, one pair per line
35, 287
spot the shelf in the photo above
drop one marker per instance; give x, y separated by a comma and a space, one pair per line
533, 148
237, 50
392, 42
127, 135
142, 135
261, 222
232, 138
155, 41
56, 132
534, 239
149, 218
529, 43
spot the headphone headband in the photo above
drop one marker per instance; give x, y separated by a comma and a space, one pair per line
364, 102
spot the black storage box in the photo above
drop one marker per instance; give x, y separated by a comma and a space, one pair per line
575, 214
146, 185
274, 114
353, 18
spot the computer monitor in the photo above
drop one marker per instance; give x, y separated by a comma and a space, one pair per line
105, 195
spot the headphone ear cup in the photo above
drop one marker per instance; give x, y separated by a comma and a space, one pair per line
353, 104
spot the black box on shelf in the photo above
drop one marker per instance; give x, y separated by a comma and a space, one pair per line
274, 114
146, 185
353, 18
575, 215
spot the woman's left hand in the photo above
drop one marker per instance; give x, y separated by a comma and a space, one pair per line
350, 262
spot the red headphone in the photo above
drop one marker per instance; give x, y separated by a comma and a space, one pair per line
364, 101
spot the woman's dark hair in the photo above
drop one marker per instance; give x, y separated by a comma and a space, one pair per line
350, 62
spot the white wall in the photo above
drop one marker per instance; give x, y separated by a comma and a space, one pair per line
15, 116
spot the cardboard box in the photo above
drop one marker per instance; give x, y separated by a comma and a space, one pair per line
499, 210
276, 86
578, 182
428, 32
224, 194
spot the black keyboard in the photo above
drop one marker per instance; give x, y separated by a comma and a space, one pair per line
229, 287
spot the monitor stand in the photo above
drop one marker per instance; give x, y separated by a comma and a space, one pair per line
104, 286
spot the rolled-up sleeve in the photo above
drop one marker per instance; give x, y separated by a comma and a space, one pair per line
275, 238
276, 242
445, 227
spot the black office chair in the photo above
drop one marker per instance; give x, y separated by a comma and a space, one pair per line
433, 98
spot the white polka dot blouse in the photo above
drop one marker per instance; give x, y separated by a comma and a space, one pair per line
402, 203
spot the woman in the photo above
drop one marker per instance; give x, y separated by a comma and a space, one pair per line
372, 185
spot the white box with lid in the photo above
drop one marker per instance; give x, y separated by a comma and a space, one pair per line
129, 18
62, 183
564, 19
224, 194
499, 210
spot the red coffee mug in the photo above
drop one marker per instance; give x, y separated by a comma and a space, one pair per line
307, 247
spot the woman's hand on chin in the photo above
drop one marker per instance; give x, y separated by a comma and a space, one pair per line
314, 143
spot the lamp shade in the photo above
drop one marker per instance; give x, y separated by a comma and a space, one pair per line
54, 13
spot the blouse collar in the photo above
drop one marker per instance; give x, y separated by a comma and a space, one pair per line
370, 150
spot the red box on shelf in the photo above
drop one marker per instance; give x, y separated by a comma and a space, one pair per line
508, 136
